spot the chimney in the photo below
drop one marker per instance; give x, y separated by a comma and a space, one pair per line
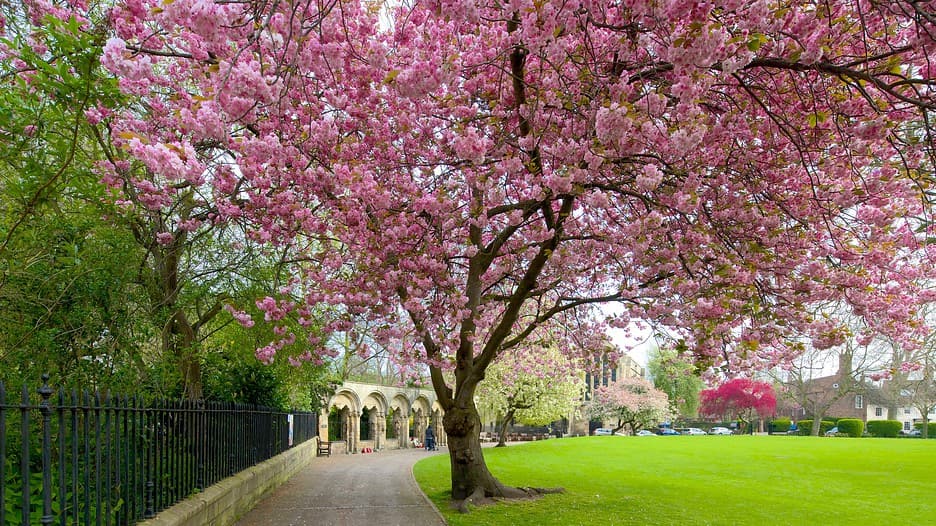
845, 364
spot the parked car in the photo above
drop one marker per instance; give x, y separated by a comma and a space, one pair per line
665, 431
693, 431
603, 431
644, 433
912, 433
720, 431
832, 432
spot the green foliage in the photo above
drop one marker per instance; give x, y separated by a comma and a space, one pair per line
780, 425
852, 427
68, 302
884, 428
734, 481
69, 309
805, 426
532, 398
13, 486
246, 382
674, 374
930, 429
86, 292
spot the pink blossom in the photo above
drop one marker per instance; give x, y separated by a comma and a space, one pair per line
164, 238
242, 317
460, 180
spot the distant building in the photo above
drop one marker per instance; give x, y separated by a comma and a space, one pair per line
861, 399
626, 367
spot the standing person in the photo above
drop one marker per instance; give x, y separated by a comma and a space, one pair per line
430, 439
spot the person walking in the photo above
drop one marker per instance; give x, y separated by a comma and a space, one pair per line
430, 439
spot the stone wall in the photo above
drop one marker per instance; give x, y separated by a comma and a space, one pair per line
228, 500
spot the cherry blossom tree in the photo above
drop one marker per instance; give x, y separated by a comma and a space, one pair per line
474, 170
741, 398
531, 387
632, 402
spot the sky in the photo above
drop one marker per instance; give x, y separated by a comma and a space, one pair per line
639, 340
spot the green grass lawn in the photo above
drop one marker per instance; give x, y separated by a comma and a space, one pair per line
705, 480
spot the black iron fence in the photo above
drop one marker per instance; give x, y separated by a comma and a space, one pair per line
93, 459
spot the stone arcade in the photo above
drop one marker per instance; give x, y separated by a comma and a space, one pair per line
364, 414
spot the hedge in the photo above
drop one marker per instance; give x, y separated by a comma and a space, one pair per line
931, 428
852, 427
805, 426
780, 425
885, 428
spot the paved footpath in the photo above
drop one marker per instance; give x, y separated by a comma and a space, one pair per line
350, 490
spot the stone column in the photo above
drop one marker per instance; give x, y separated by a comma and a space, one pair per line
380, 429
419, 427
346, 428
404, 431
356, 431
441, 438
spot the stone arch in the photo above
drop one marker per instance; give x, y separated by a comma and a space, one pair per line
374, 410
421, 413
436, 421
371, 410
345, 399
348, 404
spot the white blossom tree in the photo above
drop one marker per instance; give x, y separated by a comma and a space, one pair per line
530, 388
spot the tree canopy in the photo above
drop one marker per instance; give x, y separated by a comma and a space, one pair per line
533, 388
678, 377
741, 398
475, 170
632, 402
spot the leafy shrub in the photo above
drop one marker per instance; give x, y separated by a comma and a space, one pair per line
805, 426
852, 427
931, 429
780, 425
885, 428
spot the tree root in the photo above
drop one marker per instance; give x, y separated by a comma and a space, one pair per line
482, 498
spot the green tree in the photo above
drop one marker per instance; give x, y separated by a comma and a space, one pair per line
67, 304
101, 291
234, 374
675, 374
530, 388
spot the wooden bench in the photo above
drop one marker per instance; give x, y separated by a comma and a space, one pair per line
324, 449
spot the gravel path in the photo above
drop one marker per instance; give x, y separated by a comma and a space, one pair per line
375, 489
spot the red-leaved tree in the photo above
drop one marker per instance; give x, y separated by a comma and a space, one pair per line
741, 398
474, 173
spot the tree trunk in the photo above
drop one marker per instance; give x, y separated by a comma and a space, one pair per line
471, 479
816, 426
502, 434
179, 340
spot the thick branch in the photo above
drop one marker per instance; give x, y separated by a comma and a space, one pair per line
526, 284
432, 353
